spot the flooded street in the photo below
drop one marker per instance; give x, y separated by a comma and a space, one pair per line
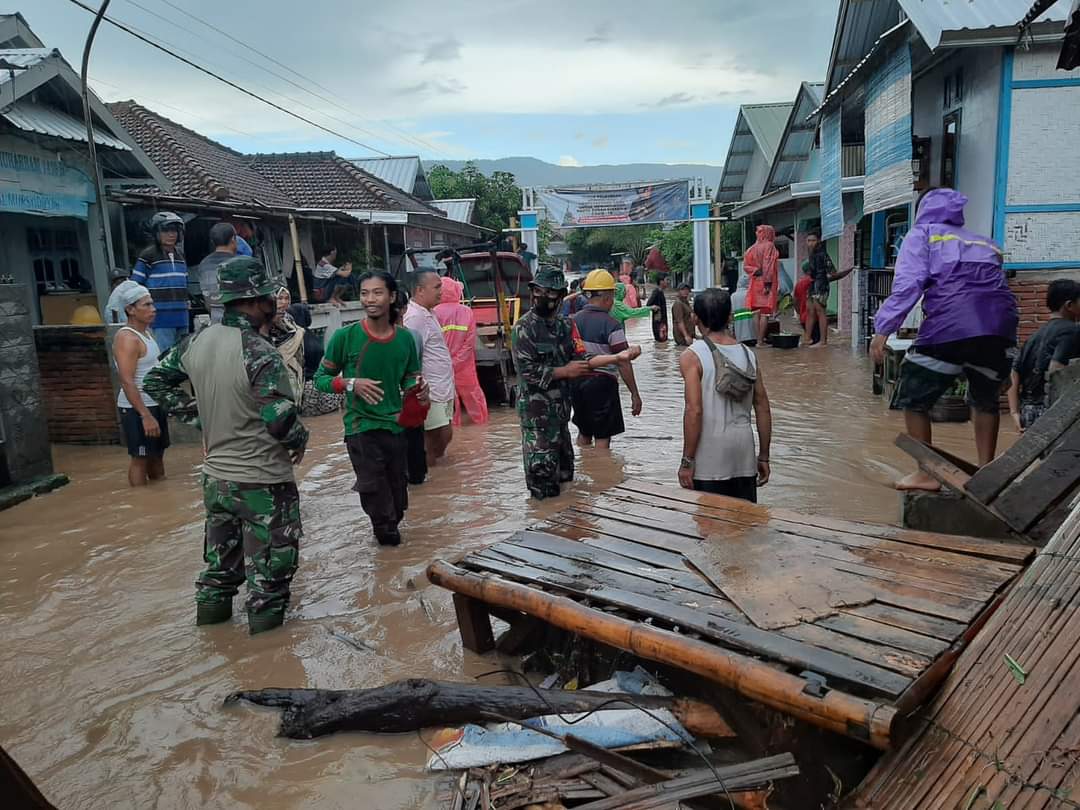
113, 697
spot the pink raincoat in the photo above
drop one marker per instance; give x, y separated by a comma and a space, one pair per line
763, 257
459, 328
631, 291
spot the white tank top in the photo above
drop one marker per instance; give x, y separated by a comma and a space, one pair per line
146, 362
726, 448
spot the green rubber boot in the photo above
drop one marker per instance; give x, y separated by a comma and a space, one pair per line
260, 622
212, 612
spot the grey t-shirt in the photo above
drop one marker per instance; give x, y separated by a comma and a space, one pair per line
208, 268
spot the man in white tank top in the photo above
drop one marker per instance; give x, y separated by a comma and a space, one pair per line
142, 422
718, 439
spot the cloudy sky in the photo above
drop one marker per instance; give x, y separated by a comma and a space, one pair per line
593, 81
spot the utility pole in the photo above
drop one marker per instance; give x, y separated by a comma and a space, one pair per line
88, 118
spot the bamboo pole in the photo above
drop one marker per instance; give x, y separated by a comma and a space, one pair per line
837, 711
298, 264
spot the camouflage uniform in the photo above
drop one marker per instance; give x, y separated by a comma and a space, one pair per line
540, 345
252, 503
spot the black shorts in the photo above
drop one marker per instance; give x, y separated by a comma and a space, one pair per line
929, 371
597, 408
139, 445
744, 487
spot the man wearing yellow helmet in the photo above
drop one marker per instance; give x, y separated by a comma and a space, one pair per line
597, 408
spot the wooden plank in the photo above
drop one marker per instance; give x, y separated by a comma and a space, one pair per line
897, 589
988, 482
934, 626
866, 629
635, 551
931, 461
474, 624
945, 568
973, 546
1023, 501
988, 570
700, 550
722, 631
902, 661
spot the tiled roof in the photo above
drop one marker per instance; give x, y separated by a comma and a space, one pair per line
324, 180
195, 165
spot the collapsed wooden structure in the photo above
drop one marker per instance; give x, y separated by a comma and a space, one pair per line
1004, 731
844, 625
1031, 486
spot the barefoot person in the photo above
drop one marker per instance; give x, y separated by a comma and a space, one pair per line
969, 323
718, 440
822, 275
145, 428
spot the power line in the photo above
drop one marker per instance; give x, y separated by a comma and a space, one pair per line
378, 135
229, 82
409, 137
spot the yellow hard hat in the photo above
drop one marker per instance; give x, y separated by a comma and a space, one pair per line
85, 315
599, 280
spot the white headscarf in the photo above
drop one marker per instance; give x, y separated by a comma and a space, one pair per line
130, 292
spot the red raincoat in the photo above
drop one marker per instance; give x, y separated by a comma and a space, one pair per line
459, 329
764, 257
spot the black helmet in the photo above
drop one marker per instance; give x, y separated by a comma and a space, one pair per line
164, 220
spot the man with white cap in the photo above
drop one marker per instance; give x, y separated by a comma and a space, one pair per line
142, 421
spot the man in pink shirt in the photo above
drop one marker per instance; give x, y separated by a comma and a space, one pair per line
436, 364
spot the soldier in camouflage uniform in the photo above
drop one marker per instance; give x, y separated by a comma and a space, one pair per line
548, 353
245, 404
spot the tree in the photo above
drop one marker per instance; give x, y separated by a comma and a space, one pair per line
498, 198
677, 245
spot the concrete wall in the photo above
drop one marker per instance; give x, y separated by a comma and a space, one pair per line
77, 384
24, 435
977, 154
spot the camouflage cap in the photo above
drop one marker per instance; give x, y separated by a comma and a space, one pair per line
550, 278
244, 277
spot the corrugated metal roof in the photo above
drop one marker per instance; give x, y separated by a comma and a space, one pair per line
933, 19
403, 172
49, 121
757, 129
858, 25
458, 210
23, 58
797, 139
767, 122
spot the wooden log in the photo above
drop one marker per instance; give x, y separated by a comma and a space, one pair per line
18, 787
418, 703
836, 711
474, 623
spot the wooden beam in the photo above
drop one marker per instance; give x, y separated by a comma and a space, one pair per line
836, 711
1023, 502
474, 622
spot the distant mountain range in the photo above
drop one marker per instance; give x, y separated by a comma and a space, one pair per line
532, 172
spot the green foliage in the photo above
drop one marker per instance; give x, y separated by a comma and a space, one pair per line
677, 245
498, 198
595, 245
544, 234
729, 238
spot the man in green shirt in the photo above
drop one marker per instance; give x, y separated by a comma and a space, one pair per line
373, 362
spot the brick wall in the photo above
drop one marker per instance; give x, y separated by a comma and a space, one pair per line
76, 384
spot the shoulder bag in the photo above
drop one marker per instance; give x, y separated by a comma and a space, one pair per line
731, 381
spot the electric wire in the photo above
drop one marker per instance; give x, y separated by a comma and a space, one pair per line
127, 29
400, 133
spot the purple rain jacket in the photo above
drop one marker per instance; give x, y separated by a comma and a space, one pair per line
957, 272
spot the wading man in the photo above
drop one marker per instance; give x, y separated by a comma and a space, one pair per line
438, 366
681, 317
246, 406
597, 405
968, 328
548, 354
822, 274
142, 421
373, 363
224, 239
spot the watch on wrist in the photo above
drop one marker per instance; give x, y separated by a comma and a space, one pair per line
686, 463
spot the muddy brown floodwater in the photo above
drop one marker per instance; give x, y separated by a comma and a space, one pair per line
112, 697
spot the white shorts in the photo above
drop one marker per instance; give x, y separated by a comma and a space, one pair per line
440, 415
